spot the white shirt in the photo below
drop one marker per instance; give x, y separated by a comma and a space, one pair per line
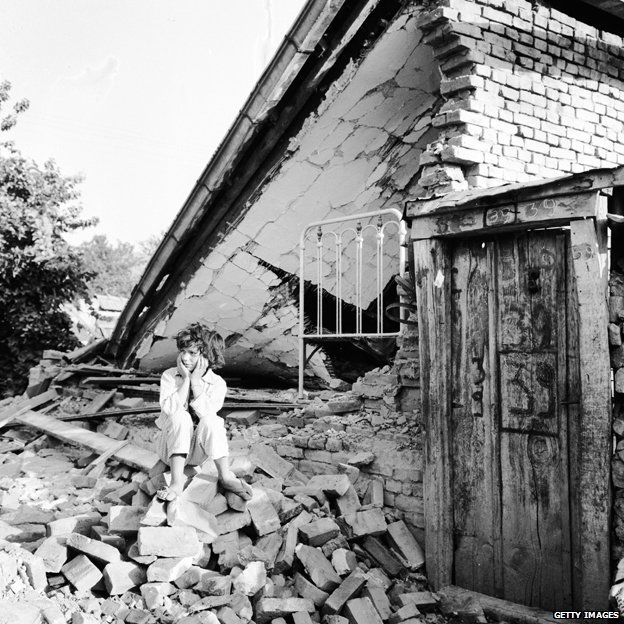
206, 404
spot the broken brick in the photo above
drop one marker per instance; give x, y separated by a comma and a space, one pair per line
383, 556
368, 522
168, 541
94, 549
346, 590
361, 611
320, 531
333, 484
270, 608
309, 590
251, 579
168, 570
81, 573
122, 576
263, 515
53, 554
344, 561
377, 595
318, 568
406, 544
124, 519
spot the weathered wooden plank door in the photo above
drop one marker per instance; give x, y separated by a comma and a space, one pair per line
510, 389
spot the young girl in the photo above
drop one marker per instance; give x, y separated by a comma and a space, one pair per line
191, 394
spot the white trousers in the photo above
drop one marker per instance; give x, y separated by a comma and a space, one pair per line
179, 436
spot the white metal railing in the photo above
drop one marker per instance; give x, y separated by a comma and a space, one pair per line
381, 226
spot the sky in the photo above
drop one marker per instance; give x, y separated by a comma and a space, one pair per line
135, 95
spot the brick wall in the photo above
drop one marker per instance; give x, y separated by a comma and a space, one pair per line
530, 92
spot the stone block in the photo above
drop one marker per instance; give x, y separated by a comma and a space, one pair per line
619, 381
301, 617
181, 512
406, 544
229, 521
98, 551
251, 579
80, 523
362, 611
212, 584
318, 568
270, 546
289, 509
168, 541
342, 406
361, 459
53, 553
217, 505
123, 576
78, 617
268, 609
344, 592
329, 547
81, 573
344, 561
349, 502
202, 558
615, 335
129, 403
422, 599
390, 564
202, 488
286, 555
154, 594
168, 570
320, 531
190, 578
235, 502
245, 418
113, 430
263, 515
35, 570
124, 519
375, 493
155, 514
270, 462
377, 595
333, 484
367, 522
353, 472
309, 590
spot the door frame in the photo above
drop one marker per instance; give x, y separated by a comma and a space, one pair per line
584, 213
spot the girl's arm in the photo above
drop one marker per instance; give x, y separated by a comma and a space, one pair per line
173, 398
210, 397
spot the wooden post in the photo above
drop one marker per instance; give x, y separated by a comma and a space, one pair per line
431, 264
594, 496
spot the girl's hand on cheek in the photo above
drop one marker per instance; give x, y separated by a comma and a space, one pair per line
185, 372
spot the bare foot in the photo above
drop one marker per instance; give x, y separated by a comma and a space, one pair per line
169, 493
232, 483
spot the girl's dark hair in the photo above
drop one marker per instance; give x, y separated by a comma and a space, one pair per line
211, 344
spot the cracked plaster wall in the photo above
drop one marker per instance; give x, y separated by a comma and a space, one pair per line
358, 152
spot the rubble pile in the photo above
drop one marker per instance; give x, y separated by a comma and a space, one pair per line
106, 549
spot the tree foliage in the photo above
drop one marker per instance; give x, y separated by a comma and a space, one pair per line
39, 270
116, 267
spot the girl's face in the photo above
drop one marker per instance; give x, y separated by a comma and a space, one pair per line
190, 356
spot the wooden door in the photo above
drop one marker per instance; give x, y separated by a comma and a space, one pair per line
512, 380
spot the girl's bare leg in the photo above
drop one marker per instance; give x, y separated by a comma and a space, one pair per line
176, 463
230, 481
